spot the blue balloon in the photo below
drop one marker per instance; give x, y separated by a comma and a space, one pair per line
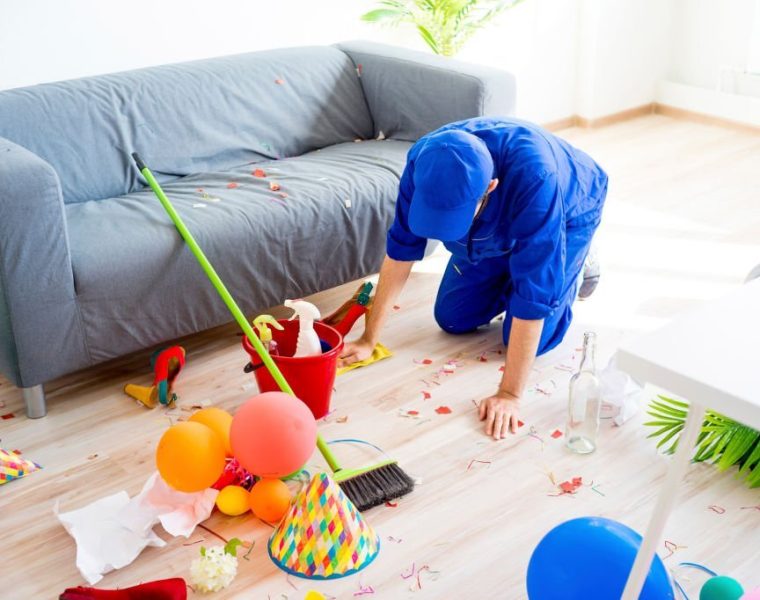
590, 558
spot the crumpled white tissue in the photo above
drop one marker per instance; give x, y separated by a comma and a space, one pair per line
103, 542
111, 532
178, 512
619, 391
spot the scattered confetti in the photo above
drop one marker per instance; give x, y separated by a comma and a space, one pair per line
214, 199
232, 185
357, 140
425, 396
520, 423
411, 573
279, 81
259, 173
92, 457
283, 195
671, 547
569, 487
717, 509
396, 307
199, 205
443, 410
594, 489
413, 413
566, 368
347, 202
757, 507
501, 369
394, 540
390, 504
482, 358
342, 419
199, 190
424, 361
556, 434
274, 186
359, 69
364, 590
456, 268
476, 461
7, 416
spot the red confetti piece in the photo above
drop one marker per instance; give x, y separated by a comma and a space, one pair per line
424, 361
17, 452
259, 173
391, 504
413, 413
8, 416
482, 358
425, 396
232, 185
501, 369
570, 487
275, 187
359, 69
556, 434
279, 81
520, 423
717, 509
443, 410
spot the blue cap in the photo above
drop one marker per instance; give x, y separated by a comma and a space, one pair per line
451, 173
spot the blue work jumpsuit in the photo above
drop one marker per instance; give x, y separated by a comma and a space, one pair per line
525, 252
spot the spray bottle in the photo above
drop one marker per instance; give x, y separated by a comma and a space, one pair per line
308, 340
261, 324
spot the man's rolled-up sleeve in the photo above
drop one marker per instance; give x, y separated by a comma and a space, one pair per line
401, 243
537, 263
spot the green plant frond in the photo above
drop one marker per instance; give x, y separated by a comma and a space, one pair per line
428, 37
382, 14
721, 440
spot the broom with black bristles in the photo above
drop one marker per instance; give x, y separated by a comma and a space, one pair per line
366, 487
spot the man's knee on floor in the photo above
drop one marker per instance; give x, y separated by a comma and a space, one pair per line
451, 322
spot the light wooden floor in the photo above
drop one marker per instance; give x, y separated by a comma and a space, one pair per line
682, 225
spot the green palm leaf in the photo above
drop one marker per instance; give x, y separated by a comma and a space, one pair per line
722, 441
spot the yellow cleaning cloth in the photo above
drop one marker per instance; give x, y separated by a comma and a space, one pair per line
379, 353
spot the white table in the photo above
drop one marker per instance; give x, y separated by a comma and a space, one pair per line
711, 358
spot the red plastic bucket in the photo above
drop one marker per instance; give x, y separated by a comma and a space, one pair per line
311, 377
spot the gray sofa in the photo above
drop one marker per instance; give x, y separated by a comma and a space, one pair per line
90, 266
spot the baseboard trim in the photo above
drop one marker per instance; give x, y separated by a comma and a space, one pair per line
654, 108
703, 118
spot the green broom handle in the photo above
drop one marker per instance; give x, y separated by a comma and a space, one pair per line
227, 298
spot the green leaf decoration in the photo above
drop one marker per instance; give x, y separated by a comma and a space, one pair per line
231, 546
444, 25
721, 441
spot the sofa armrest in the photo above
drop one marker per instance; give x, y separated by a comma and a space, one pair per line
39, 318
411, 93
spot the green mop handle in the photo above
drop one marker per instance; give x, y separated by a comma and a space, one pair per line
226, 297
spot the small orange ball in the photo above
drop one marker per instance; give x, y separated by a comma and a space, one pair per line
270, 500
190, 457
217, 420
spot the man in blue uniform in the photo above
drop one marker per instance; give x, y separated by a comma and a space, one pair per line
517, 208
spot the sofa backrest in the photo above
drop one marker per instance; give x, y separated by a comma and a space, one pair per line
187, 118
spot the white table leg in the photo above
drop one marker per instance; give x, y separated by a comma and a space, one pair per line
665, 503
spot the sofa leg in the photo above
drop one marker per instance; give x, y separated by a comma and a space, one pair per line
34, 397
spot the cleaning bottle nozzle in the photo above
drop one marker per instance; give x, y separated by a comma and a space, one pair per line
261, 324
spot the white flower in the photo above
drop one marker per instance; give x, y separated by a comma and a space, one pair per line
213, 571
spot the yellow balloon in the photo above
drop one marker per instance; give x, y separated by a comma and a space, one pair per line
233, 500
190, 457
218, 420
314, 595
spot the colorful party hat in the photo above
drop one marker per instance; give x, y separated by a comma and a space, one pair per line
12, 466
323, 536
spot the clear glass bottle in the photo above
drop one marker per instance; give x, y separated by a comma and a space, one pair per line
585, 402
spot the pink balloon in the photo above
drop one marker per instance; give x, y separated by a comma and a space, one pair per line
273, 434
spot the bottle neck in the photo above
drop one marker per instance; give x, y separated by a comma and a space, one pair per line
588, 362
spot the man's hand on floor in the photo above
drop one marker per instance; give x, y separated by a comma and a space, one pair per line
500, 412
356, 351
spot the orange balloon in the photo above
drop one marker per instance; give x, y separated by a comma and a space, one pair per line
273, 434
270, 500
190, 457
219, 421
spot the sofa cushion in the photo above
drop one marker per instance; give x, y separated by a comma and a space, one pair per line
136, 280
185, 118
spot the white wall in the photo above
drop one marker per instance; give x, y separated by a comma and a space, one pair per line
708, 35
